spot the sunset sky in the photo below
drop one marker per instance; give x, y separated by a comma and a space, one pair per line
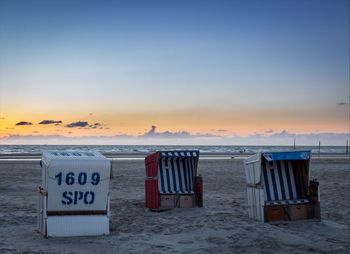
199, 69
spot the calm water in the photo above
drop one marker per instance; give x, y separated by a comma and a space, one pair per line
35, 149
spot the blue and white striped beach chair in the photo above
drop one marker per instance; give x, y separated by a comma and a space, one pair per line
278, 186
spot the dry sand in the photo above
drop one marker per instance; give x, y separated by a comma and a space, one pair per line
222, 226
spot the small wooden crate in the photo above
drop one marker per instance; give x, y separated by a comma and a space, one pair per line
298, 212
167, 201
274, 213
186, 201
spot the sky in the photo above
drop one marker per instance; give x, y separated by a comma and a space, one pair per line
208, 72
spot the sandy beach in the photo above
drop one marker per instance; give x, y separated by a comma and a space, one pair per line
222, 226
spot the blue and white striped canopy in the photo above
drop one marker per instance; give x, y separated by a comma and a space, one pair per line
179, 153
176, 171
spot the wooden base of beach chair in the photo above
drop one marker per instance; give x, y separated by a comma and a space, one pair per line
297, 212
171, 201
274, 213
280, 214
187, 201
167, 201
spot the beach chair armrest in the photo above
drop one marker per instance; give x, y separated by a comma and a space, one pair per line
198, 189
314, 192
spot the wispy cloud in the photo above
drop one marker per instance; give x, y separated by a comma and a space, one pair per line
286, 138
23, 123
342, 103
50, 122
283, 134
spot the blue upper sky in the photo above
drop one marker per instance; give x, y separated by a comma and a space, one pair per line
286, 58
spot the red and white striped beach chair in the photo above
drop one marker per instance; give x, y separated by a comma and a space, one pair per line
172, 180
279, 188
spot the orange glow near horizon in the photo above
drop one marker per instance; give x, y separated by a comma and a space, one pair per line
223, 123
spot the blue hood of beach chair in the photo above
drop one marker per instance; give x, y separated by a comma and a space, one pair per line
290, 155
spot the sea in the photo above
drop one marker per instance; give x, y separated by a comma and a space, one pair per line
135, 149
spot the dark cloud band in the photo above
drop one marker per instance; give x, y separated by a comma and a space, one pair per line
77, 124
50, 122
342, 103
23, 123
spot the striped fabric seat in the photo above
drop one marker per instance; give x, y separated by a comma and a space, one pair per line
176, 175
279, 182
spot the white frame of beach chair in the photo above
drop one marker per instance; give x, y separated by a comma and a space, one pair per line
71, 222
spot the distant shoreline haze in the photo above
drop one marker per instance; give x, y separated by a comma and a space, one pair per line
153, 137
142, 149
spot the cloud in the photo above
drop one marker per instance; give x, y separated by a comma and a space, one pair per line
23, 123
342, 103
82, 125
50, 122
96, 126
283, 134
287, 138
269, 131
152, 133
77, 124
